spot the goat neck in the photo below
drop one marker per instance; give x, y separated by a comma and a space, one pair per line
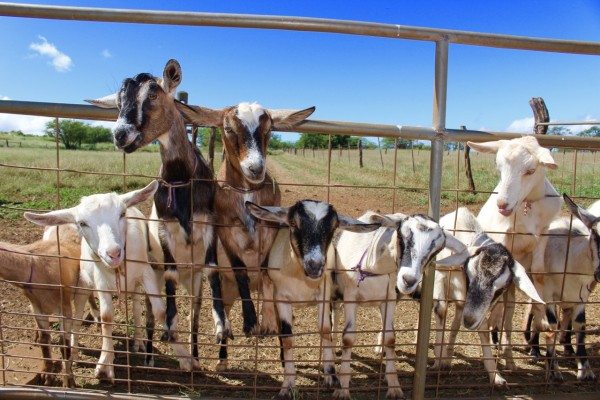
178, 156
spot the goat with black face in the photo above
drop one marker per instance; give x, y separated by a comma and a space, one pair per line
298, 268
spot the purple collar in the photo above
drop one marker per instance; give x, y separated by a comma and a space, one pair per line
362, 274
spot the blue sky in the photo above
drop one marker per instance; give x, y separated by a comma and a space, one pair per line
349, 78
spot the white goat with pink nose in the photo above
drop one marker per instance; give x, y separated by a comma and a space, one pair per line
114, 238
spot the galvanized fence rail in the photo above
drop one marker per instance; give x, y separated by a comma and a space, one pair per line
437, 134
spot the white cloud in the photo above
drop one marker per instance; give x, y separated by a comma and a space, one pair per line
59, 60
28, 124
106, 53
524, 125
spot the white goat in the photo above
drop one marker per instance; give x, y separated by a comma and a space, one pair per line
368, 269
518, 214
487, 271
573, 268
298, 266
113, 231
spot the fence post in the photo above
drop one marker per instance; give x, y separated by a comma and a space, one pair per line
360, 153
435, 184
211, 148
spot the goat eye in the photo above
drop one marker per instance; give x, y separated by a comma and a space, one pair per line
83, 225
152, 96
292, 224
122, 215
530, 171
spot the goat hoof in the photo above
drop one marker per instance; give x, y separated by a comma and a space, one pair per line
149, 361
535, 354
500, 382
69, 382
439, 366
331, 381
341, 394
586, 374
284, 394
139, 346
105, 376
221, 366
395, 394
556, 377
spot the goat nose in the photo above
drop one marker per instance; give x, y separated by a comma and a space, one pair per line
409, 281
314, 268
119, 134
469, 321
114, 253
256, 169
502, 204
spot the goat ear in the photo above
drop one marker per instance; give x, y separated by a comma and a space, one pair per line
109, 101
137, 196
58, 217
273, 214
201, 116
454, 259
584, 215
545, 158
171, 77
386, 221
524, 284
486, 147
454, 244
354, 225
286, 119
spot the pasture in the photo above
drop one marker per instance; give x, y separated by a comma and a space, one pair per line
30, 181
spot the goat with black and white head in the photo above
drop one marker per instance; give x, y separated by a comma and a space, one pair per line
486, 271
298, 266
370, 267
181, 226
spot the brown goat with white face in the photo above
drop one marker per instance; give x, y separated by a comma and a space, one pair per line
243, 177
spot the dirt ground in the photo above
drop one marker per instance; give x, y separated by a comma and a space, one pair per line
254, 367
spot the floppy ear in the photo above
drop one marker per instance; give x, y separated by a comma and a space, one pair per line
545, 158
286, 119
137, 196
454, 244
457, 258
273, 214
171, 76
354, 225
58, 217
386, 221
524, 284
486, 147
201, 116
584, 215
109, 101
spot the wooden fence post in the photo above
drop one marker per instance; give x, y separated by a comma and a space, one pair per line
360, 153
540, 114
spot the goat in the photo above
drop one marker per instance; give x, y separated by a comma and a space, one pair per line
368, 269
487, 271
113, 256
243, 176
518, 215
573, 268
182, 220
298, 267
49, 278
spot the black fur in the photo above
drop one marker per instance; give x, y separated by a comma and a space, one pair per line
149, 331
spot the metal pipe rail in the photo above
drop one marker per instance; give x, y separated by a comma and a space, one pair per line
297, 24
82, 111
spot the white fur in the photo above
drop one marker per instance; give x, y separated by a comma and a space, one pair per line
318, 210
249, 114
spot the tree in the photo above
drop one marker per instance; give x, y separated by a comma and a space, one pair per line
73, 133
312, 140
276, 143
594, 131
388, 143
559, 131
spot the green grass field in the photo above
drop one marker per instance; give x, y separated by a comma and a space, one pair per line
102, 171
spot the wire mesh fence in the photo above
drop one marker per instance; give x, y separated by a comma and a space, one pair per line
410, 181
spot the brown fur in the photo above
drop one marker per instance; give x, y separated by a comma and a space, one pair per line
39, 276
231, 212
